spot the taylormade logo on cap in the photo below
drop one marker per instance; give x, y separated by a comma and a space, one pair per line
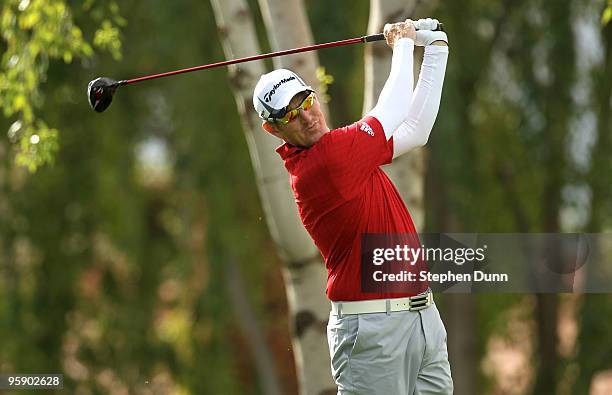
274, 91
268, 95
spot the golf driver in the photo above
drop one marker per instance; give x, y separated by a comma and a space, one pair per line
101, 90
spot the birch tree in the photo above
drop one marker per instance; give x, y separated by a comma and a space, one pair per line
304, 271
406, 171
291, 30
408, 174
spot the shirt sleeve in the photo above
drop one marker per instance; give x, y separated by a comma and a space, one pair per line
415, 129
353, 152
394, 99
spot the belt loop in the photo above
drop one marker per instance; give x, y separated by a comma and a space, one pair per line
339, 309
388, 306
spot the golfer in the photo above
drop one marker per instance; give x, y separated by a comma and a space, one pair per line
380, 343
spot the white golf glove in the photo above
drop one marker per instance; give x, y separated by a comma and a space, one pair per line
426, 37
425, 34
426, 24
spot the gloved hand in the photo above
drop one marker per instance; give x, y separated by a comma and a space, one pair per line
426, 24
426, 37
425, 34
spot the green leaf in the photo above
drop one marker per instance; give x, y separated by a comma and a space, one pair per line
107, 37
37, 146
32, 34
606, 16
19, 103
29, 20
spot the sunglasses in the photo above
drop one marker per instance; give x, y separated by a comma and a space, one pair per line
292, 114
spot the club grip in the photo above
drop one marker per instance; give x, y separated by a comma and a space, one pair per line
381, 36
373, 37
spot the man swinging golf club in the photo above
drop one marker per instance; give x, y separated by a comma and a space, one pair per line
380, 343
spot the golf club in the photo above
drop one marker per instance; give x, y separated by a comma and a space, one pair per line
101, 90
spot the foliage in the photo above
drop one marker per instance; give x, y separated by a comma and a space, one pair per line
606, 15
35, 33
325, 80
113, 260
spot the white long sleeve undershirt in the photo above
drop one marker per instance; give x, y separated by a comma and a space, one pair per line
414, 131
405, 116
391, 108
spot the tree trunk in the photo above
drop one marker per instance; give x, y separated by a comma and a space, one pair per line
252, 332
291, 30
547, 316
408, 174
459, 315
594, 346
407, 171
304, 271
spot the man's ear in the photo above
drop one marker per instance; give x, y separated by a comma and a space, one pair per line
269, 128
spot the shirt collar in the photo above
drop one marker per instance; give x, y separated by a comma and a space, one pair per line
286, 151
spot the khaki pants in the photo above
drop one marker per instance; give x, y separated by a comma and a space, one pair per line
401, 353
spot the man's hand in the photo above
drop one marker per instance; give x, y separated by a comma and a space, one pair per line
426, 36
426, 24
394, 31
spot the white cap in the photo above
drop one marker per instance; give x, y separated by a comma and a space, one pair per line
274, 91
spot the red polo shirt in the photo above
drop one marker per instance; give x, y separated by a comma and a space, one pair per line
342, 193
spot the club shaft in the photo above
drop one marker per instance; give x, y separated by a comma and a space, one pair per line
251, 58
350, 41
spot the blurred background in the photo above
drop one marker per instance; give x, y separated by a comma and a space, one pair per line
135, 255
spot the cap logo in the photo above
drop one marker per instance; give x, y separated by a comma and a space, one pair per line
267, 107
272, 112
268, 96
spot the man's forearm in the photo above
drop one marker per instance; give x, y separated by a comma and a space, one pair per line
393, 102
415, 129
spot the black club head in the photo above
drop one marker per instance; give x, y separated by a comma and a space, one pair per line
100, 93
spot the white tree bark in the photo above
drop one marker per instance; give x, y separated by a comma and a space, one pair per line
304, 269
408, 171
291, 30
408, 174
304, 272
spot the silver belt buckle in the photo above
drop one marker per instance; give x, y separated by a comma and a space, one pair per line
419, 302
